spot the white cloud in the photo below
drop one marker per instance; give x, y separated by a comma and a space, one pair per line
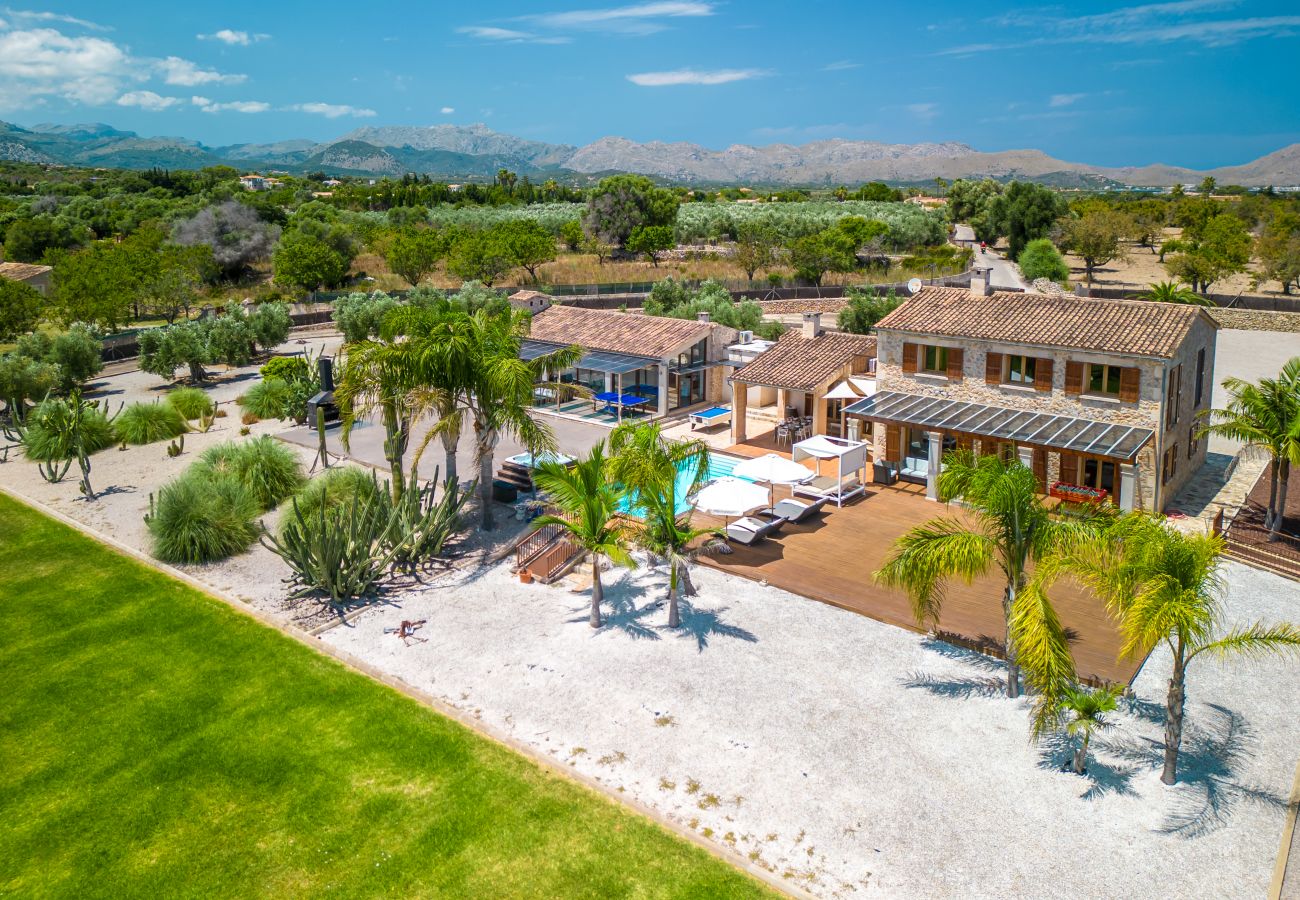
638, 18
147, 100
39, 63
694, 76
448, 110
509, 35
232, 37
1058, 100
332, 110
175, 70
240, 106
27, 17
200, 101
926, 112
841, 66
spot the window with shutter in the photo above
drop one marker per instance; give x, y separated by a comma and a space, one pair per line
1130, 379
993, 368
909, 358
1073, 377
1043, 375
956, 359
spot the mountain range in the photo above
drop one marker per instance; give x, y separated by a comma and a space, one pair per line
470, 151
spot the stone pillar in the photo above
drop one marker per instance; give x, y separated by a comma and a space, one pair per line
663, 388
819, 414
739, 409
782, 401
1128, 478
932, 468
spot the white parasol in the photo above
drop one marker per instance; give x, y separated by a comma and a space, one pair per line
773, 469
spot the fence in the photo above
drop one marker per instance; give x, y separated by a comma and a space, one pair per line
1257, 302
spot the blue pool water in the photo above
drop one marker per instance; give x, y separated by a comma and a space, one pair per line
719, 467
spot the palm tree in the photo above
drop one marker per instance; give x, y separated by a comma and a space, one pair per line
589, 505
668, 536
1265, 416
1171, 292
1162, 585
648, 463
1087, 711
377, 376
1011, 529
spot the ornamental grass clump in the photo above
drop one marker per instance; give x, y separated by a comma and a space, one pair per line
268, 399
332, 489
190, 402
202, 517
268, 470
58, 431
144, 423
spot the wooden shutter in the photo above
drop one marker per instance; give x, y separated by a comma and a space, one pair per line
1130, 380
993, 368
909, 358
1040, 469
893, 440
1043, 374
1073, 377
956, 358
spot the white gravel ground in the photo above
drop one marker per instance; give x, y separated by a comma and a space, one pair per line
852, 757
856, 758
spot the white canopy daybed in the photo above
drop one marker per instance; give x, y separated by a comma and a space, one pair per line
850, 460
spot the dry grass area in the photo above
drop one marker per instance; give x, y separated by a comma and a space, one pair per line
1140, 266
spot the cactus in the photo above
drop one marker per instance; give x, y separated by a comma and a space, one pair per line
176, 447
205, 422
426, 521
322, 453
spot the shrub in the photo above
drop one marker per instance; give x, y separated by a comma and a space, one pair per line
192, 403
268, 399
268, 470
199, 518
334, 488
144, 423
24, 379
78, 355
286, 368
1041, 259
44, 441
359, 315
248, 419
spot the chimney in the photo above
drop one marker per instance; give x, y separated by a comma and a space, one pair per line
702, 316
980, 281
325, 371
812, 325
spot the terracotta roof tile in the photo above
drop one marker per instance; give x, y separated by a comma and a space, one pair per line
801, 363
1134, 327
21, 271
616, 332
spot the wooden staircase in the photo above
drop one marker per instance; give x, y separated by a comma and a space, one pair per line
519, 476
547, 554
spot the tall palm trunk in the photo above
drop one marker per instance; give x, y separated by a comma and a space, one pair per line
1271, 511
674, 618
1174, 716
1013, 670
597, 592
395, 439
1279, 514
486, 444
449, 444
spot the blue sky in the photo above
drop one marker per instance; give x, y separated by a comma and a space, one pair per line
1191, 82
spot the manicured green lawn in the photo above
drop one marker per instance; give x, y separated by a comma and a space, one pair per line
155, 743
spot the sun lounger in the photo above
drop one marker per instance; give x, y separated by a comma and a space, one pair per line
793, 510
829, 488
750, 530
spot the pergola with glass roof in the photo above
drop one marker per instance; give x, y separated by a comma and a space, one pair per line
1023, 428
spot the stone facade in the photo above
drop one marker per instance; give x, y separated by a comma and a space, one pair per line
1148, 411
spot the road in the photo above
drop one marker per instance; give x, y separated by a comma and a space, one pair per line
1005, 274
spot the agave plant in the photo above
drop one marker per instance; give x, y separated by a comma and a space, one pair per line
341, 552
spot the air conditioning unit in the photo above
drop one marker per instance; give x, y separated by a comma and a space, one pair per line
746, 337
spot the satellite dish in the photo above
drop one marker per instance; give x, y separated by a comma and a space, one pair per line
914, 285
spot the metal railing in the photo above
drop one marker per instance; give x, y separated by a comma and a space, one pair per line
533, 545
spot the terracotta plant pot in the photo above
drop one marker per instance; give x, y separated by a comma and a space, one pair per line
525, 576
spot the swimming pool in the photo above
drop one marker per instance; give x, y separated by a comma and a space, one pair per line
719, 467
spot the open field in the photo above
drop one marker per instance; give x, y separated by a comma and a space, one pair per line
1140, 266
157, 743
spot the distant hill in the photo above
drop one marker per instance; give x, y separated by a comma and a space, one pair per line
467, 151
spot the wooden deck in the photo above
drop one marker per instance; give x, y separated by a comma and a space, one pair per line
832, 557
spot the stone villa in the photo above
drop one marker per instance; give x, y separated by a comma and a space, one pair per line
1102, 395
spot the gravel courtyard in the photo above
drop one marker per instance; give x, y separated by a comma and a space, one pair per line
857, 759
